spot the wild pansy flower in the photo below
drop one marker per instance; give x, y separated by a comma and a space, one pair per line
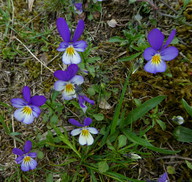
78, 8
28, 108
158, 53
68, 81
163, 178
25, 158
85, 132
71, 46
82, 99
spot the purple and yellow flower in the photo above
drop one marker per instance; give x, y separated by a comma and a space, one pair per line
82, 99
78, 8
158, 53
25, 158
85, 132
163, 178
28, 108
68, 81
71, 46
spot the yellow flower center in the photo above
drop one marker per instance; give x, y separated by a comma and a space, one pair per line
27, 159
27, 110
156, 59
70, 50
85, 132
69, 87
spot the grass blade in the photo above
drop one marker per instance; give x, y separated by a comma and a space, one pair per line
140, 141
140, 111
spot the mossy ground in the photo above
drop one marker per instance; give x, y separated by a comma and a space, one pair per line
37, 31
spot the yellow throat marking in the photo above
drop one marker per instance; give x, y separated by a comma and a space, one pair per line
70, 50
156, 59
69, 87
27, 110
27, 159
85, 132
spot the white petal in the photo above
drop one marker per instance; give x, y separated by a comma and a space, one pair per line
89, 139
84, 109
59, 85
28, 119
19, 115
26, 166
77, 79
66, 58
82, 140
93, 130
67, 96
86, 140
76, 131
76, 58
71, 59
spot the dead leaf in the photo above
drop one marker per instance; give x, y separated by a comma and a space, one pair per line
30, 5
104, 105
112, 23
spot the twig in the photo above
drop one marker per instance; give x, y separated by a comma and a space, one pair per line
32, 54
169, 7
175, 156
13, 129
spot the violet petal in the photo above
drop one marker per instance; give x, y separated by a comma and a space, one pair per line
87, 121
32, 154
17, 151
75, 122
170, 38
149, 53
155, 38
89, 100
68, 74
18, 103
63, 29
169, 53
163, 177
80, 46
27, 146
26, 93
38, 100
19, 159
79, 30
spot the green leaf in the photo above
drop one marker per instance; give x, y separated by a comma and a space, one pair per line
40, 155
187, 107
93, 59
103, 166
183, 134
15, 133
140, 141
54, 119
66, 140
54, 95
49, 178
116, 39
91, 91
98, 117
140, 111
118, 107
130, 58
189, 164
161, 124
122, 141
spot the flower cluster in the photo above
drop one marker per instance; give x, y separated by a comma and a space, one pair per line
69, 82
